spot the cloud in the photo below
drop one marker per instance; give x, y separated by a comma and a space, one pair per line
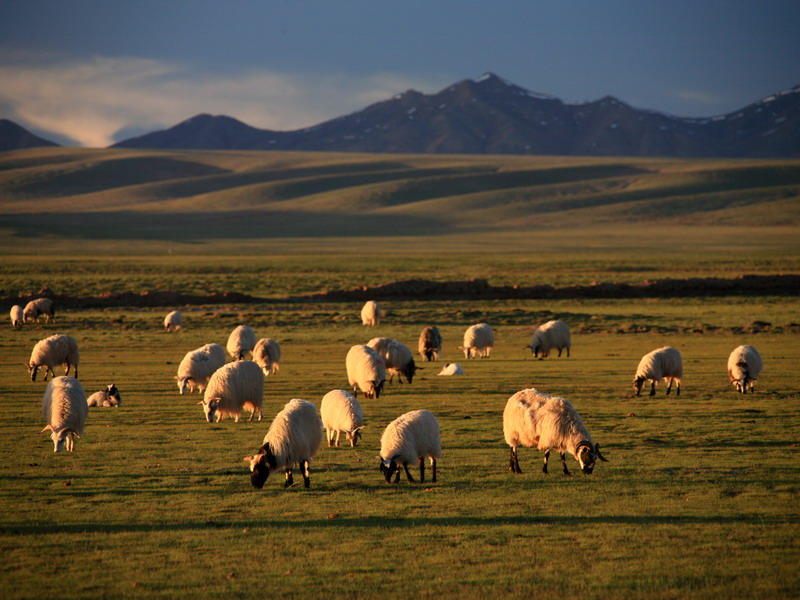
697, 97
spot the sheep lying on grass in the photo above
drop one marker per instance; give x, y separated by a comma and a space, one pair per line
231, 388
341, 412
411, 437
396, 356
55, 350
107, 397
371, 313
478, 341
550, 335
365, 371
662, 363
267, 355
429, 345
241, 341
39, 306
64, 408
173, 321
451, 369
744, 367
198, 366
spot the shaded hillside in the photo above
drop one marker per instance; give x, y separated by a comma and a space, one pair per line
14, 137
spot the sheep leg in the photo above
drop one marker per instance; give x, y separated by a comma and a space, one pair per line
421, 469
564, 462
338, 433
546, 456
433, 469
653, 388
306, 473
669, 385
514, 463
76, 371
678, 386
289, 479
408, 473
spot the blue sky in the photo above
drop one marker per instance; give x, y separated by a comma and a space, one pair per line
88, 72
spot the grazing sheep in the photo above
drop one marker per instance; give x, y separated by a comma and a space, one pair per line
173, 321
371, 313
662, 363
55, 350
532, 418
412, 436
478, 341
241, 341
267, 354
451, 369
340, 411
198, 366
39, 306
744, 367
293, 437
429, 345
65, 409
216, 352
553, 334
396, 356
365, 371
231, 388
17, 316
108, 397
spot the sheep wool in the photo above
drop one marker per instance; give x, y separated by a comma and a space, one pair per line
231, 388
411, 437
365, 371
106, 398
744, 367
371, 313
173, 321
549, 336
241, 341
396, 356
36, 307
55, 350
341, 412
267, 354
65, 409
451, 369
16, 315
197, 367
429, 345
662, 363
478, 341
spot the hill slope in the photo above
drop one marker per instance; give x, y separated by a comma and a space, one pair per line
14, 137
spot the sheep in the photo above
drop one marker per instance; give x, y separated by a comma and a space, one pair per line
662, 363
107, 397
241, 341
365, 370
412, 436
553, 334
198, 366
17, 316
64, 408
173, 321
396, 356
340, 411
55, 350
429, 345
744, 367
451, 369
532, 418
371, 313
267, 354
231, 388
39, 306
293, 437
478, 341
216, 351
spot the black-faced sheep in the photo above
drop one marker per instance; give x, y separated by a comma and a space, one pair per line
550, 335
662, 363
341, 412
39, 306
744, 367
173, 321
55, 350
371, 313
17, 317
241, 341
365, 371
396, 356
411, 437
231, 388
478, 341
429, 345
267, 355
107, 397
64, 408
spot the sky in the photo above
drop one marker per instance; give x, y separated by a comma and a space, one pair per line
93, 72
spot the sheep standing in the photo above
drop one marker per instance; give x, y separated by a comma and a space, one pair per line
429, 345
267, 355
197, 367
550, 335
173, 321
371, 313
39, 306
64, 408
55, 350
293, 437
241, 341
107, 397
532, 418
478, 341
17, 316
662, 363
744, 367
340, 411
231, 388
396, 356
451, 369
365, 371
410, 437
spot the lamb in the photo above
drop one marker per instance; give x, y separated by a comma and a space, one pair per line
365, 370
532, 418
241, 341
39, 306
267, 354
173, 321
17, 316
340, 411
65, 409
371, 313
55, 350
294, 437
396, 356
451, 369
553, 334
198, 366
108, 397
478, 341
662, 363
429, 345
231, 388
412, 436
744, 367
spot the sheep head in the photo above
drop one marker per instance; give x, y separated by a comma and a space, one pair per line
260, 466
210, 407
638, 382
587, 455
33, 370
389, 467
354, 435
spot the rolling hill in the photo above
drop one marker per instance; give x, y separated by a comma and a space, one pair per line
14, 137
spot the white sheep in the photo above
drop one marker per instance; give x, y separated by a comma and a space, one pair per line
197, 366
410, 437
340, 411
231, 388
550, 335
173, 321
64, 408
267, 354
293, 437
55, 350
216, 352
429, 345
39, 306
17, 316
371, 313
478, 341
662, 363
744, 367
241, 341
396, 356
451, 369
532, 418
107, 397
365, 371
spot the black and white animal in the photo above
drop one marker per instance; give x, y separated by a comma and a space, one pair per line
744, 367
55, 350
37, 307
411, 437
553, 335
107, 397
366, 371
231, 388
661, 363
397, 358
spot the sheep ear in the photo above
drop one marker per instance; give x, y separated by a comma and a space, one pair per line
247, 458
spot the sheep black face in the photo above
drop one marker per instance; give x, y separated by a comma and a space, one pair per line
389, 468
33, 370
260, 466
587, 456
638, 382
259, 475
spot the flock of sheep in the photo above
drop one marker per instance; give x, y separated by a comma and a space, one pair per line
530, 419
